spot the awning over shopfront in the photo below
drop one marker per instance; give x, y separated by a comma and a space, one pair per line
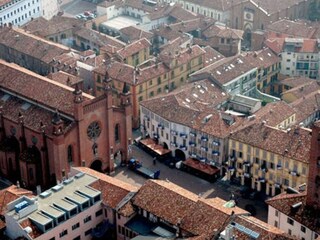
200, 169
152, 146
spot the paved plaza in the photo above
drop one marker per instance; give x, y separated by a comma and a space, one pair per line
192, 183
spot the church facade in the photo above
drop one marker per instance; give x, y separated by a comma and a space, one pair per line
47, 127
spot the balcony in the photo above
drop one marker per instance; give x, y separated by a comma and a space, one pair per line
160, 126
247, 164
173, 144
174, 133
155, 135
294, 173
193, 154
192, 134
231, 168
215, 143
279, 167
183, 135
192, 144
262, 180
204, 139
204, 149
277, 185
247, 175
183, 147
215, 153
203, 159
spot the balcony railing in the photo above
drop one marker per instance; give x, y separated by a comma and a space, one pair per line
192, 134
262, 180
173, 144
294, 173
183, 147
247, 175
215, 153
193, 154
215, 143
204, 139
175, 133
183, 135
204, 149
156, 135
192, 144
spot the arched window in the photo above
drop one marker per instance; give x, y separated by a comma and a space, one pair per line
69, 152
117, 133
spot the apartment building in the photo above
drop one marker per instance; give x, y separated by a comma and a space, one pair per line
299, 57
150, 79
187, 122
19, 12
297, 212
89, 204
235, 75
269, 159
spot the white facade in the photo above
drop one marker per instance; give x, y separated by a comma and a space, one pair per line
204, 10
289, 225
70, 210
191, 142
19, 12
296, 63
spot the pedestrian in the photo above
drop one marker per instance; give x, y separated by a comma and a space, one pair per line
154, 161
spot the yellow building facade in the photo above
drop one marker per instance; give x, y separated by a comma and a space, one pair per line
265, 170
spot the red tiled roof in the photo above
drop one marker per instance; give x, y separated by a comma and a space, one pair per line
134, 47
306, 106
10, 194
304, 90
39, 89
165, 200
58, 24
134, 33
296, 81
3, 2
31, 45
275, 44
294, 144
292, 28
211, 55
305, 214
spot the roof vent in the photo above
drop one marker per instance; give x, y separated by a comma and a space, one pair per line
45, 194
68, 181
57, 188
79, 175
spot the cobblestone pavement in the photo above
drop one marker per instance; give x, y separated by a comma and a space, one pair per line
192, 183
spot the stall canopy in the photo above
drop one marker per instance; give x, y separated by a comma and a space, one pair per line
151, 145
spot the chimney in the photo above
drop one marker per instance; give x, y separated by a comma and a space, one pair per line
18, 184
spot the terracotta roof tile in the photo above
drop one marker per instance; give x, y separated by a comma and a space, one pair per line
99, 39
211, 55
304, 90
30, 44
296, 81
294, 144
58, 24
134, 47
42, 90
292, 28
65, 78
306, 106
165, 200
304, 214
134, 33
